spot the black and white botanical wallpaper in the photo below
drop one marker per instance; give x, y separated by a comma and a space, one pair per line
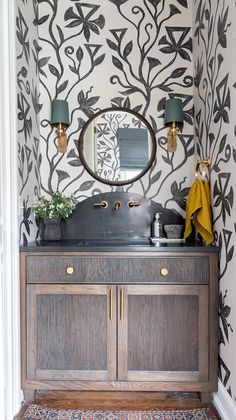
28, 114
215, 130
117, 53
124, 53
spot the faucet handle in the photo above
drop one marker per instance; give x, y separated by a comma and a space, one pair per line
103, 204
132, 204
117, 205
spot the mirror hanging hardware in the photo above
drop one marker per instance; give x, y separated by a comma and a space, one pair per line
103, 204
132, 204
204, 163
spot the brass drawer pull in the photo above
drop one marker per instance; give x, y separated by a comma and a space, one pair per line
70, 270
164, 271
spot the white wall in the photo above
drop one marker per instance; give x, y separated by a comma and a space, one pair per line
10, 395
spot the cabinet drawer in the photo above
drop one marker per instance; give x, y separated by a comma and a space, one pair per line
117, 269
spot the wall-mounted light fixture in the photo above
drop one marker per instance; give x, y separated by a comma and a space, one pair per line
173, 119
60, 120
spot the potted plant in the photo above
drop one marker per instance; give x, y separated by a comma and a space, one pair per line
51, 211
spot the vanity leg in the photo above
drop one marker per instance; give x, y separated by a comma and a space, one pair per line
29, 395
205, 397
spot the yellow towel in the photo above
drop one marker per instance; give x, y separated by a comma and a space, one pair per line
198, 210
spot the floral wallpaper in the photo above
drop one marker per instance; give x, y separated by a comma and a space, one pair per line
28, 114
122, 54
102, 54
215, 130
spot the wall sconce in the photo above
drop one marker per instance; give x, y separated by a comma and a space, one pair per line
60, 120
173, 118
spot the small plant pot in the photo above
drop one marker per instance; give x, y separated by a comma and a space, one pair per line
52, 230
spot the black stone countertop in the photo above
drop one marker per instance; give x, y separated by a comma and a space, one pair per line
113, 246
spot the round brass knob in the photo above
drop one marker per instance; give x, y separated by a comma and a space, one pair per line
70, 270
164, 271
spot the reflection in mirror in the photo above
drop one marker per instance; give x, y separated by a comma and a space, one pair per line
117, 146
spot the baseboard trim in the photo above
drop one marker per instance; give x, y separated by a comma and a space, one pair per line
224, 403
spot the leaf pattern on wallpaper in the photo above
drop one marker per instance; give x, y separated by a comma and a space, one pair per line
224, 372
222, 102
175, 42
67, 56
25, 165
224, 196
22, 82
143, 80
87, 22
24, 110
224, 242
150, 75
82, 17
25, 222
224, 312
22, 34
179, 194
187, 143
213, 91
212, 82
29, 106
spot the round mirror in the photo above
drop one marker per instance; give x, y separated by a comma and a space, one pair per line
117, 146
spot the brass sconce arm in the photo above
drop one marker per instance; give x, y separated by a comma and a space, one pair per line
173, 118
60, 120
172, 137
62, 140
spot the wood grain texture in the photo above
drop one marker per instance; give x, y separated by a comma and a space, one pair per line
161, 334
118, 401
70, 336
163, 337
100, 269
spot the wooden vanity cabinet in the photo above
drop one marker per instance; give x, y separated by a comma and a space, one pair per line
71, 334
139, 328
163, 333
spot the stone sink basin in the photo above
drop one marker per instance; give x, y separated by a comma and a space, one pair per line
115, 242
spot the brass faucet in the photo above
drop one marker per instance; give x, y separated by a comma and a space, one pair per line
117, 205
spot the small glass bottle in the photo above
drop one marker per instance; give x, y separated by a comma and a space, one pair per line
157, 227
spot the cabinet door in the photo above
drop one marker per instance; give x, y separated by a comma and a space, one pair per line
71, 332
163, 333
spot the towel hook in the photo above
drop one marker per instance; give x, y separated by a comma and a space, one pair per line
205, 163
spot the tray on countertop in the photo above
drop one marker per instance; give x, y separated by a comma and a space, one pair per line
166, 240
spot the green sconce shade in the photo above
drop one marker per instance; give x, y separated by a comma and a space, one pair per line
60, 112
173, 111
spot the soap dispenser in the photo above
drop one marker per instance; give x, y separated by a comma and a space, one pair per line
157, 226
